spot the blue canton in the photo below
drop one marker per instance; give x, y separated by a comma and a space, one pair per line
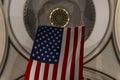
47, 44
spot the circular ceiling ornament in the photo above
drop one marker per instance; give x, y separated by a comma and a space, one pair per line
23, 17
116, 35
3, 40
59, 17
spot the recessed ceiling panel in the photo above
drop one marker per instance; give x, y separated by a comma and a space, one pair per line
23, 17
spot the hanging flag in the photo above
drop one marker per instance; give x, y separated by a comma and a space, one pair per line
57, 54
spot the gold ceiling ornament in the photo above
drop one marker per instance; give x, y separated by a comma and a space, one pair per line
59, 17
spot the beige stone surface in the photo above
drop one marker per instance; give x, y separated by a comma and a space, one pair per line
106, 62
15, 65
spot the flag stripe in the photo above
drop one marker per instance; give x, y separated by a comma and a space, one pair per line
41, 71
70, 54
51, 66
77, 56
81, 54
63, 75
32, 72
62, 54
27, 74
37, 72
55, 72
46, 70
72, 71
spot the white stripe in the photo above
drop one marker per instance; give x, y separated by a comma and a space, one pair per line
41, 71
62, 54
33, 68
70, 54
78, 55
51, 66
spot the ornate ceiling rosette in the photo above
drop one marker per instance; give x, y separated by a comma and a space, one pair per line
23, 17
3, 40
116, 33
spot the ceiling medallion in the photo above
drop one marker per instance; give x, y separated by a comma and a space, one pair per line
59, 17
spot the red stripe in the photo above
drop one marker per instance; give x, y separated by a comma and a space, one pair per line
37, 71
72, 71
46, 71
55, 72
27, 73
81, 54
66, 54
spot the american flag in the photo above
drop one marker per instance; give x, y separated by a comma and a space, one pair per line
57, 54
